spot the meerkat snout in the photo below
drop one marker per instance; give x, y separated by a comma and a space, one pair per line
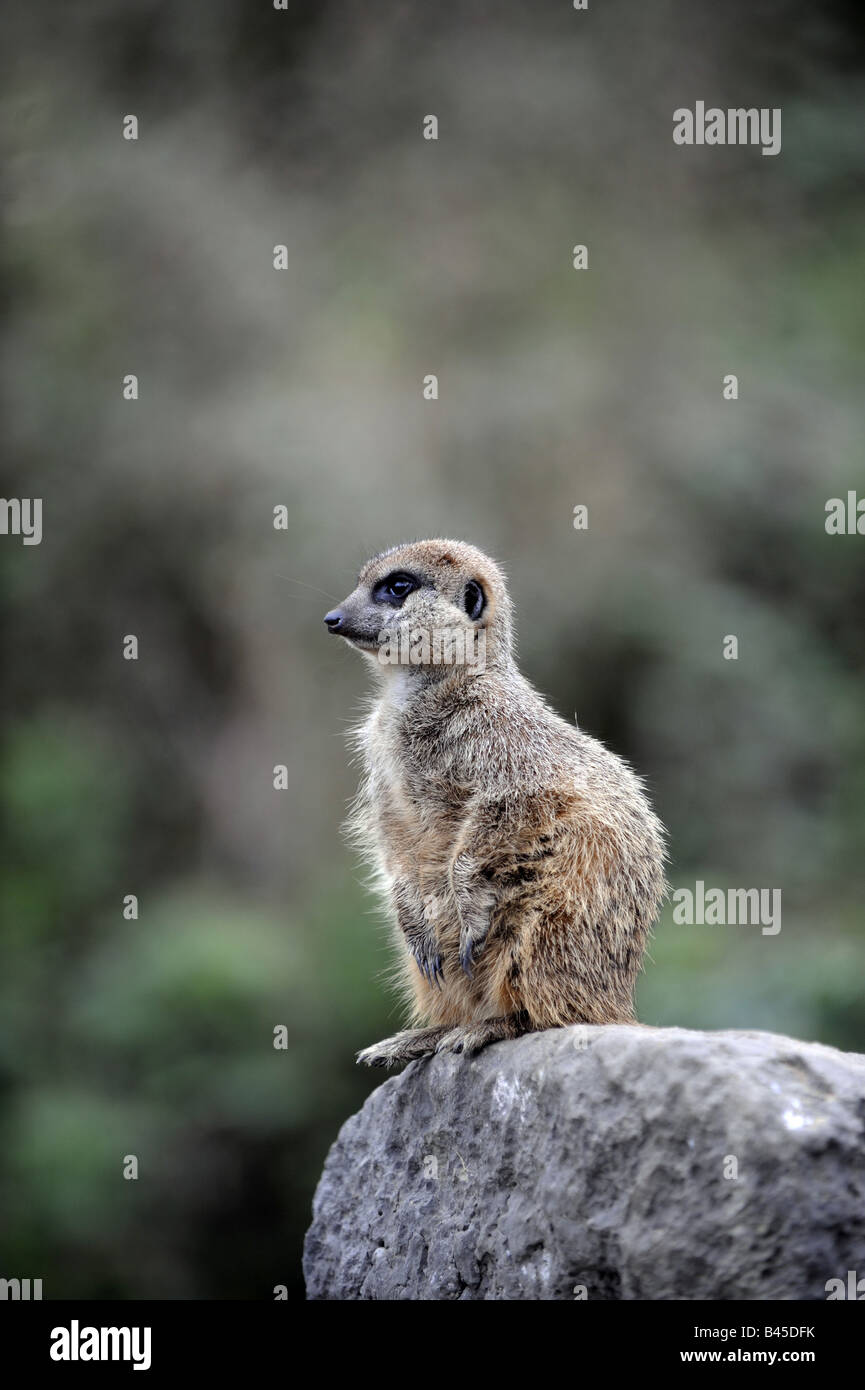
520, 860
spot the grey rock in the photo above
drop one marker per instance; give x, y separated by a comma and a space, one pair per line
599, 1163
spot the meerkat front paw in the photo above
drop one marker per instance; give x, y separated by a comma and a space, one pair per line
414, 917
470, 948
429, 962
475, 898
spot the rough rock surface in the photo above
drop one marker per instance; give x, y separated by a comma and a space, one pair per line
600, 1163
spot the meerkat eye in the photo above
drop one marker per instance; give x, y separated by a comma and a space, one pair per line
474, 599
394, 589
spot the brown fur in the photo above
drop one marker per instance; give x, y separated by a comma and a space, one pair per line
520, 858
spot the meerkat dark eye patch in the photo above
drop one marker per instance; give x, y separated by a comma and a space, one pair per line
395, 588
474, 599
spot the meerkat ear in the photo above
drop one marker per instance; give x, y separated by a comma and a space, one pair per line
474, 599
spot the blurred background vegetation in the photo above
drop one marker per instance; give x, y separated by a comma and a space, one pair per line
154, 1037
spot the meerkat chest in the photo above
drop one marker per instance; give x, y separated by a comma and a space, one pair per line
415, 812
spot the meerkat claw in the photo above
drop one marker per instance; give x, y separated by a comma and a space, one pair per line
430, 967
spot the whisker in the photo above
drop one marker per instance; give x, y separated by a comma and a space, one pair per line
289, 580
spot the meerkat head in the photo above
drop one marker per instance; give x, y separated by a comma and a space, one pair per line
428, 607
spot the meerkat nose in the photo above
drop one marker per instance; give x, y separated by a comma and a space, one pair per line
334, 620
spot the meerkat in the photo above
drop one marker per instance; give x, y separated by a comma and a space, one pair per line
520, 858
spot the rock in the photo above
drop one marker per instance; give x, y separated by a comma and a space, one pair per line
605, 1163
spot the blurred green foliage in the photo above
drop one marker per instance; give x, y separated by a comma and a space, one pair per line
154, 1037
